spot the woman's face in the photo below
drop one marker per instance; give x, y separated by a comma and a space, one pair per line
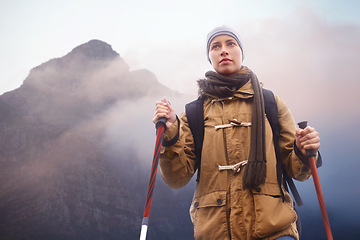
225, 55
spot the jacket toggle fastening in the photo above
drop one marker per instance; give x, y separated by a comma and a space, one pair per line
233, 123
236, 167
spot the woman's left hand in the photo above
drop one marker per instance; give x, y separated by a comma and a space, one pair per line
307, 139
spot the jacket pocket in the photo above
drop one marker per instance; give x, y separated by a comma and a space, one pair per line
272, 214
208, 213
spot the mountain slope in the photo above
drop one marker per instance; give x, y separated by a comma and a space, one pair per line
72, 139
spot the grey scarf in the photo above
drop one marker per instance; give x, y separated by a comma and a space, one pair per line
221, 86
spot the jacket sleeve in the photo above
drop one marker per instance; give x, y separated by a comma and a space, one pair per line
293, 161
177, 162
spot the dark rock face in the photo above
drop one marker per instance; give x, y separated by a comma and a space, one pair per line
72, 138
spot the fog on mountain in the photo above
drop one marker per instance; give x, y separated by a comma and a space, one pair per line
76, 147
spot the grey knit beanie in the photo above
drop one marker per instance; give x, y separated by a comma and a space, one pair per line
223, 30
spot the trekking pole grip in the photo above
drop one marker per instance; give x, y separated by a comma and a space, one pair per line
161, 122
309, 152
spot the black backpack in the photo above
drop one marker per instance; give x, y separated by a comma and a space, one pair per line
195, 116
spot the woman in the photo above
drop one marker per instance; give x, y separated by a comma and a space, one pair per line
245, 203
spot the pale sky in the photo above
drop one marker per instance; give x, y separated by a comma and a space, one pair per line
165, 36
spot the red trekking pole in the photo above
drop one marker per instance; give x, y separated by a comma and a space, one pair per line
311, 155
160, 129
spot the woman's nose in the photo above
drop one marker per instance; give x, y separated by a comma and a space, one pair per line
224, 52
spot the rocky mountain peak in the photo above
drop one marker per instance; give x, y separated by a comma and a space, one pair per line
90, 78
95, 49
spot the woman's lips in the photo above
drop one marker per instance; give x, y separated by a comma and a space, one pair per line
225, 60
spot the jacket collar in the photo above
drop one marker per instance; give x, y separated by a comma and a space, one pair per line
245, 91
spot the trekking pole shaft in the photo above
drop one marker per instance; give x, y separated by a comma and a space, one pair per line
311, 154
160, 126
319, 193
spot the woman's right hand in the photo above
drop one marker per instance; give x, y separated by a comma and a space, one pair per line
164, 109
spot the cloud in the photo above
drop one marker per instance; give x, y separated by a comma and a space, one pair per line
129, 128
309, 62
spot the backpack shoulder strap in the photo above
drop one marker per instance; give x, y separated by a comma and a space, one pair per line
271, 112
195, 116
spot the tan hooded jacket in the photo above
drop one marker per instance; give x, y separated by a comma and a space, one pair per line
221, 209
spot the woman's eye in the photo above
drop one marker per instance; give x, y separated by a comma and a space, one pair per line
214, 47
